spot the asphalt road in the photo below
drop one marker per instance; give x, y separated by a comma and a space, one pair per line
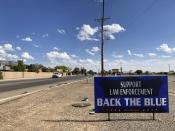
20, 84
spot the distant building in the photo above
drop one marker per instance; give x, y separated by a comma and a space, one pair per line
1, 66
5, 65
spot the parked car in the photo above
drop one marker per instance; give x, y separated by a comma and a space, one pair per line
57, 75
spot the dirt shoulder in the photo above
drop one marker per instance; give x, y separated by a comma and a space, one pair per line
51, 110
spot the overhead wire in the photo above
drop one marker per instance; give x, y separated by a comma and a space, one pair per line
149, 7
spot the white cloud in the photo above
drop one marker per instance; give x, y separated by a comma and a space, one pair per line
87, 33
18, 48
116, 55
90, 52
110, 30
4, 49
86, 61
55, 48
154, 65
93, 50
55, 56
27, 56
119, 56
89, 64
134, 54
61, 31
27, 39
45, 35
129, 53
152, 54
63, 58
12, 57
74, 56
165, 56
35, 45
8, 47
2, 54
139, 55
165, 48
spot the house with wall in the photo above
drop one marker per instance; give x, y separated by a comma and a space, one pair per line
5, 65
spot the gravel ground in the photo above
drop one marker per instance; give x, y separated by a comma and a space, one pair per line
51, 110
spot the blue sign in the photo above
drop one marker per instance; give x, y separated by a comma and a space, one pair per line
146, 94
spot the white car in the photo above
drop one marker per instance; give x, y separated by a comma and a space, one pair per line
57, 75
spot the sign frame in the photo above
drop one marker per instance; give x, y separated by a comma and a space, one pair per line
163, 79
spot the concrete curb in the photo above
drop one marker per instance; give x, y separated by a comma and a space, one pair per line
8, 99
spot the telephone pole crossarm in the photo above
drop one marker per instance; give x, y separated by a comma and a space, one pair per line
102, 19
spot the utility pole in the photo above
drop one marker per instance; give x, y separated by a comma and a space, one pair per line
121, 69
102, 39
102, 20
169, 67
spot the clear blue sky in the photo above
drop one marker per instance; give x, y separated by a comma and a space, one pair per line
57, 32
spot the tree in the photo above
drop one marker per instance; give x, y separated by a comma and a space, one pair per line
76, 71
110, 72
45, 69
49, 69
83, 71
20, 67
63, 68
91, 72
139, 72
147, 72
35, 67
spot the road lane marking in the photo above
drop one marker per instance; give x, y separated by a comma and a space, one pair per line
4, 100
8, 99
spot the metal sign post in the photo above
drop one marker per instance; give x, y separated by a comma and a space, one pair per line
109, 118
153, 116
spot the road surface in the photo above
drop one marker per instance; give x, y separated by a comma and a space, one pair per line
20, 84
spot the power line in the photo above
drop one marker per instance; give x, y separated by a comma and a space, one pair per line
141, 14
